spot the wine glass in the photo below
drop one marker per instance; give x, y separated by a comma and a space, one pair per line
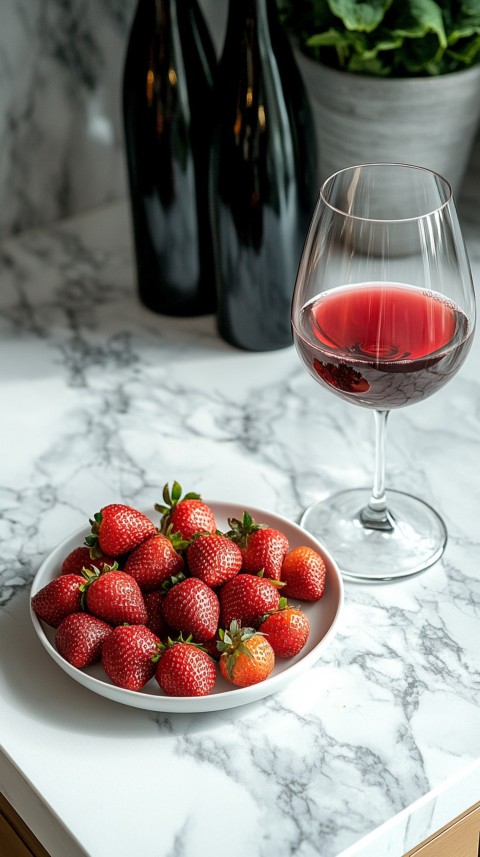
383, 315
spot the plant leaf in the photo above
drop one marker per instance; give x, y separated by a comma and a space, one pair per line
345, 44
418, 18
368, 65
360, 16
387, 37
466, 53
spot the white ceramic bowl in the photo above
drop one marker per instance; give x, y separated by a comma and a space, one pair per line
323, 616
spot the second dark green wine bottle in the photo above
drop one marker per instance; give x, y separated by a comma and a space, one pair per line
263, 183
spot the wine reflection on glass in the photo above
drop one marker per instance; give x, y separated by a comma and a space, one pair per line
383, 315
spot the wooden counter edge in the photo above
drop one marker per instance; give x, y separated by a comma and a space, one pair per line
458, 838
16, 836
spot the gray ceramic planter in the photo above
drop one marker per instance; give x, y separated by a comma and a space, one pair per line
429, 121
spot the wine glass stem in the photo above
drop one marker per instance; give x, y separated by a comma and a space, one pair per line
376, 515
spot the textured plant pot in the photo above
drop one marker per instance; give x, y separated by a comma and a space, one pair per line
427, 121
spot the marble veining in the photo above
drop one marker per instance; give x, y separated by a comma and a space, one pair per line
102, 400
61, 136
60, 130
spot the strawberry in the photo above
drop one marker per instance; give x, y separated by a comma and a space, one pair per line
80, 638
57, 599
304, 572
155, 621
185, 670
263, 548
80, 558
247, 598
155, 560
247, 657
185, 515
115, 597
341, 377
287, 630
213, 558
211, 646
127, 656
118, 529
191, 607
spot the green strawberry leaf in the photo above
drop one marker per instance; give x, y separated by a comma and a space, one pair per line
245, 651
247, 521
176, 492
172, 497
178, 543
230, 664
164, 510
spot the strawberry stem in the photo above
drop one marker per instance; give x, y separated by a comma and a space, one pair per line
91, 541
240, 530
171, 498
172, 581
162, 647
232, 643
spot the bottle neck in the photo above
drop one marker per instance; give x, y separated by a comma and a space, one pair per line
250, 15
169, 10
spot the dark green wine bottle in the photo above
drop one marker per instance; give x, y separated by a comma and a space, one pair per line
167, 108
263, 182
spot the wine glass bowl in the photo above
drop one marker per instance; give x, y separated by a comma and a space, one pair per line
383, 316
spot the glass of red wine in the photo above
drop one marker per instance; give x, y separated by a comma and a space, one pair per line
383, 316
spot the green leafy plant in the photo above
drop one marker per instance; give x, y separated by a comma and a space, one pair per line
387, 38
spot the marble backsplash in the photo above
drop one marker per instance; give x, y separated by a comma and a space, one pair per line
61, 141
61, 137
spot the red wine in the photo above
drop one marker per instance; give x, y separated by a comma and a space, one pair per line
382, 345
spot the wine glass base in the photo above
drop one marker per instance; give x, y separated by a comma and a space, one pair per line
414, 538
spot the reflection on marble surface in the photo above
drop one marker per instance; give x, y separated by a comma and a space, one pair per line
103, 400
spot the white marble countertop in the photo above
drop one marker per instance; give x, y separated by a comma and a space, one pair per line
367, 753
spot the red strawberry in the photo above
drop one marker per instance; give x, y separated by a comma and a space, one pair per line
184, 670
57, 599
127, 656
155, 560
247, 657
211, 647
155, 621
80, 638
341, 377
117, 529
247, 598
263, 548
304, 572
185, 515
287, 631
80, 558
213, 558
192, 608
115, 597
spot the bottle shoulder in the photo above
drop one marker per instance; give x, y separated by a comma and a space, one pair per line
163, 45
